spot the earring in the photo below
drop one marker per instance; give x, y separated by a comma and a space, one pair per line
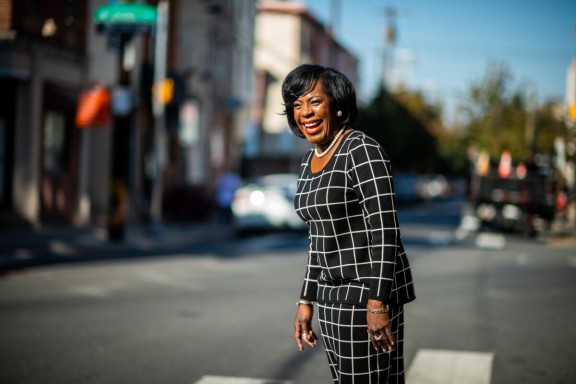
339, 113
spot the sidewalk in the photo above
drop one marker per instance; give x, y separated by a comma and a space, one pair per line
23, 247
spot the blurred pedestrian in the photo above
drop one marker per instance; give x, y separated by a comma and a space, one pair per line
226, 186
358, 272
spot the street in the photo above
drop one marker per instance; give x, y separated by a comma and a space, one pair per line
226, 310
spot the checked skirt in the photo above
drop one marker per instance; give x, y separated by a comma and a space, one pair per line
351, 356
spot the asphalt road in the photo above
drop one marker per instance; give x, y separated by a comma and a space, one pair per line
227, 309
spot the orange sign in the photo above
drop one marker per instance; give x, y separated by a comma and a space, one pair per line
93, 108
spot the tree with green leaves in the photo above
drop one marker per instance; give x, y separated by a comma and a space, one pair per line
498, 115
501, 116
400, 122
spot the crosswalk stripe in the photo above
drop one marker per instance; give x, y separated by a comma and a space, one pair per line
430, 366
433, 366
237, 380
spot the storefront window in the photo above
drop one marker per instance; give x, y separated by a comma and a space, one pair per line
54, 142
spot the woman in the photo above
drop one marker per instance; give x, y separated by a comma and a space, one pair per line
357, 272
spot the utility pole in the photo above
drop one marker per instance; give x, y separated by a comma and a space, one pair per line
122, 21
160, 58
390, 35
335, 6
530, 131
121, 127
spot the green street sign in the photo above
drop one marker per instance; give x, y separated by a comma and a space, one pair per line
125, 13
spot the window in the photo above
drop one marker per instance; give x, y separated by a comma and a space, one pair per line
54, 142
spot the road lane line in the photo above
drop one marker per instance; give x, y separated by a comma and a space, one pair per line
433, 366
238, 380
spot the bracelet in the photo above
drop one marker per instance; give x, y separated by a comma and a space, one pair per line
306, 302
378, 311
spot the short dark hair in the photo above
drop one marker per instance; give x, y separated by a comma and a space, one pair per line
303, 79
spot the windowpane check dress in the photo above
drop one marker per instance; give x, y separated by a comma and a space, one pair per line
355, 254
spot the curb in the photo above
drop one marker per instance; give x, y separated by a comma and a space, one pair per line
25, 249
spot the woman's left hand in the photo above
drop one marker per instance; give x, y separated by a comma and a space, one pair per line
379, 327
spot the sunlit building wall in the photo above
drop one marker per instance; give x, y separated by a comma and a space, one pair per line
566, 163
215, 42
286, 35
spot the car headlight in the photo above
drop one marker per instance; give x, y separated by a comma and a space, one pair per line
257, 197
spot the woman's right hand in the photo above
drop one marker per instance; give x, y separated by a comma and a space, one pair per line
303, 332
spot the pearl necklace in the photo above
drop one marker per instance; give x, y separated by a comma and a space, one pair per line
322, 154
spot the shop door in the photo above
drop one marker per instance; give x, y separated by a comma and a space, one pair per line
59, 156
7, 107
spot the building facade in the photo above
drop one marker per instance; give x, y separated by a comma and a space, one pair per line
45, 52
287, 35
52, 172
566, 151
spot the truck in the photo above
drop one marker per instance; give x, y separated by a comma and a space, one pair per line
518, 199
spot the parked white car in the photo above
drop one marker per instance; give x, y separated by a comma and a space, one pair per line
265, 203
430, 187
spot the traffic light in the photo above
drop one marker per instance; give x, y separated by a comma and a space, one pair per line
572, 112
163, 91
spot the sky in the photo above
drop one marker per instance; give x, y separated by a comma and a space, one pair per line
444, 46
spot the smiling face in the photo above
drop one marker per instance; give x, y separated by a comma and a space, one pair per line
314, 116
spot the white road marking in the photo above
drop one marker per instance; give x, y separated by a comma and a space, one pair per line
237, 380
441, 237
490, 240
61, 248
521, 259
433, 366
430, 366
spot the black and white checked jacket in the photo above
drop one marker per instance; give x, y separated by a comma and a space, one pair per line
355, 248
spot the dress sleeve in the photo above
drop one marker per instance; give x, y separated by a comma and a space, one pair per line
310, 285
369, 171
